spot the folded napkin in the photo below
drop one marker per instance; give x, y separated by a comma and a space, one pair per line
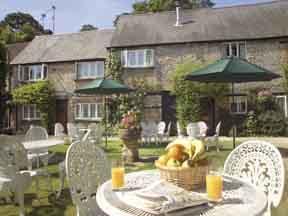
163, 197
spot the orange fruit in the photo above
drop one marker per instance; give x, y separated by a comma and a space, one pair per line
175, 152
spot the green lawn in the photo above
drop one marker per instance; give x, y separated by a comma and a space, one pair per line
47, 204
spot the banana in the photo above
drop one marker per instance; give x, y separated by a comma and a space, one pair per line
180, 141
199, 148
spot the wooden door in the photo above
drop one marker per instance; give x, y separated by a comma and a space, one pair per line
61, 112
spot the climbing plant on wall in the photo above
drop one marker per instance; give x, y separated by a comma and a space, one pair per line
113, 66
188, 93
42, 95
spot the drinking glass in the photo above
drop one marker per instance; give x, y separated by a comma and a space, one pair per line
118, 174
214, 186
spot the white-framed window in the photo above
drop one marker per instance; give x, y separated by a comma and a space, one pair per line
140, 58
239, 106
30, 112
236, 49
32, 73
89, 111
90, 70
281, 100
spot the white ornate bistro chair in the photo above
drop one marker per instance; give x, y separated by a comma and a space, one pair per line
13, 158
214, 140
86, 167
193, 130
59, 130
179, 131
36, 133
161, 131
167, 132
202, 129
261, 164
73, 132
144, 132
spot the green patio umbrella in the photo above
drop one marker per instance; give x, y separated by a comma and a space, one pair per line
232, 70
104, 87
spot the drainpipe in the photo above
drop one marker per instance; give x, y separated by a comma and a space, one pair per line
178, 14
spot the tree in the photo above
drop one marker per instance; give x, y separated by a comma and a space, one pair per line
3, 73
19, 27
87, 27
167, 5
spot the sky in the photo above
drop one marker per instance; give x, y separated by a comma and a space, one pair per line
71, 14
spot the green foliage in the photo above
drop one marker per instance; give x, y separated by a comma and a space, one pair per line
19, 27
285, 80
113, 66
188, 93
87, 27
271, 123
39, 93
251, 124
168, 5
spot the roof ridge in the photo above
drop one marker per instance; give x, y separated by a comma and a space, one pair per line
207, 8
76, 33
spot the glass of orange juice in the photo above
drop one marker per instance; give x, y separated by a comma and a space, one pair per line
214, 186
118, 174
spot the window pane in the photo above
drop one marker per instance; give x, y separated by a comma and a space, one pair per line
149, 57
25, 75
100, 110
83, 69
234, 50
123, 57
140, 57
85, 110
37, 114
45, 71
228, 54
25, 112
100, 69
131, 58
242, 50
93, 69
92, 110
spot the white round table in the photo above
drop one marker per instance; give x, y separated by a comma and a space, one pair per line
239, 198
42, 144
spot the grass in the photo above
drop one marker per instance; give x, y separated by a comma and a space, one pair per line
47, 204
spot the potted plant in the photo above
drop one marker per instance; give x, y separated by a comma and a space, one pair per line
130, 132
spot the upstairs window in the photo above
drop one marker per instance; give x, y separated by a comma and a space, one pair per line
30, 112
32, 73
137, 58
89, 111
90, 70
236, 49
239, 106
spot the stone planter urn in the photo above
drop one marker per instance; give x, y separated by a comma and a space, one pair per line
130, 138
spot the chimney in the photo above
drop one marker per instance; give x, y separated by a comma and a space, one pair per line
178, 14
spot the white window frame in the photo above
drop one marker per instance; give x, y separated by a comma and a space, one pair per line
238, 102
30, 116
230, 44
89, 76
79, 106
126, 64
21, 73
285, 103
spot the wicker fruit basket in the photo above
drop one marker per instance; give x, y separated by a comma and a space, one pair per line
189, 178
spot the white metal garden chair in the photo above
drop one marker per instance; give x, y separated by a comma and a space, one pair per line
167, 132
59, 130
13, 157
202, 129
261, 164
161, 131
144, 132
73, 132
193, 130
86, 167
179, 131
36, 133
214, 140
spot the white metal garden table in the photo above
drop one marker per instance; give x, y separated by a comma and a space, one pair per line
42, 144
239, 198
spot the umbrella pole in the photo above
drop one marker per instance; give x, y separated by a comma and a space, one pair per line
105, 110
233, 122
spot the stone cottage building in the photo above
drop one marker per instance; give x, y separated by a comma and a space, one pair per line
151, 44
68, 61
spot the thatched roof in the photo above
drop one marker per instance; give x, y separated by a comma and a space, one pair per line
257, 21
66, 47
